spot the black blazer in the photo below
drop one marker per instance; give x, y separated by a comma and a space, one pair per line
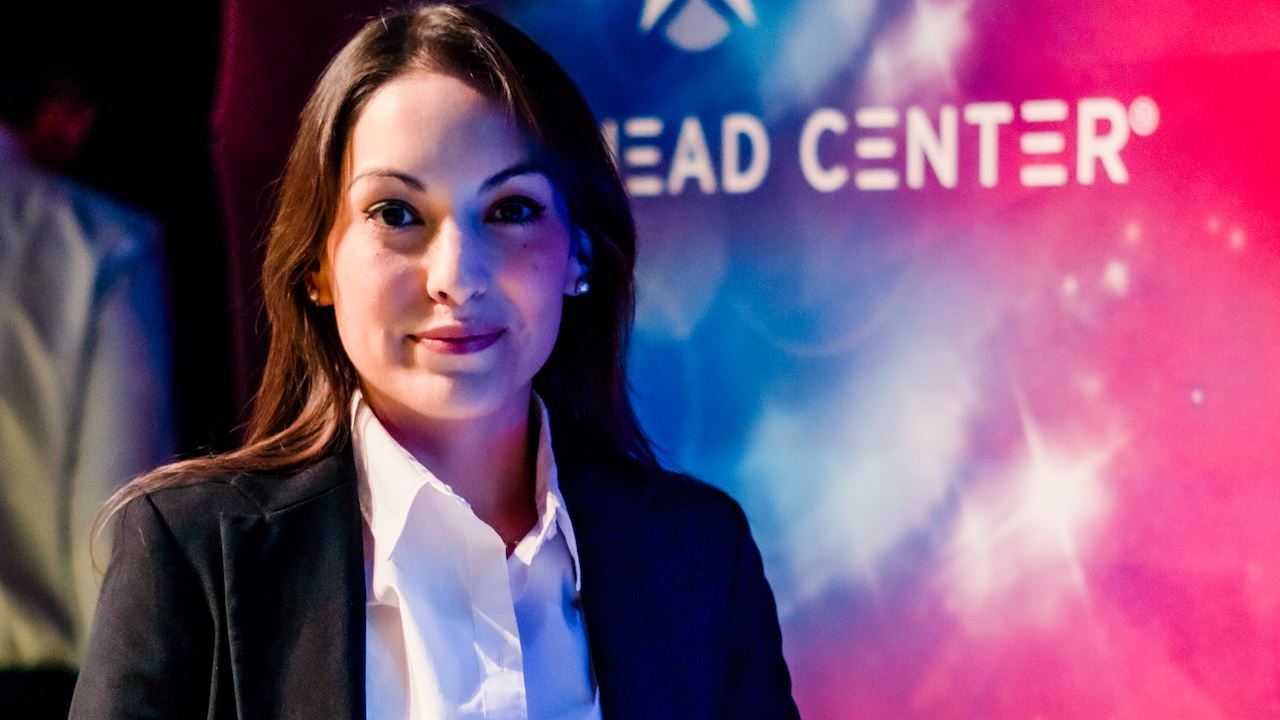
244, 597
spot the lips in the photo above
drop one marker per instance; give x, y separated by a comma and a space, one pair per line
458, 339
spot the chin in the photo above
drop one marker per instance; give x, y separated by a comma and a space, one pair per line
459, 398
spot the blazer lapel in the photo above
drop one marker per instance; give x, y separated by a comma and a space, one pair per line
609, 513
295, 596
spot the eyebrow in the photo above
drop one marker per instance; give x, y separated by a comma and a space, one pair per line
525, 167
405, 178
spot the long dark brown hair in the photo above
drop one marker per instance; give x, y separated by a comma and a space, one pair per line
300, 409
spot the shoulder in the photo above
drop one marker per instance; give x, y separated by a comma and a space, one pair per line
666, 489
190, 506
676, 491
679, 504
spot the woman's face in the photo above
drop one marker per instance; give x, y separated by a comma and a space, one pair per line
449, 257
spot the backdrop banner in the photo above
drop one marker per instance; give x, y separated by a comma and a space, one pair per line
975, 306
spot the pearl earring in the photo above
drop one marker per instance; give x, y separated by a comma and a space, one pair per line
582, 287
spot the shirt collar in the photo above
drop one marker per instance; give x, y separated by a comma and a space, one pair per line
390, 477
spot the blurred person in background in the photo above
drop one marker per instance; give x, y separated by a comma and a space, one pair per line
84, 367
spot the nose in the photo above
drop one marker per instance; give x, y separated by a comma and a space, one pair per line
457, 266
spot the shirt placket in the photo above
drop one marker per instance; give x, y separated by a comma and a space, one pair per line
497, 635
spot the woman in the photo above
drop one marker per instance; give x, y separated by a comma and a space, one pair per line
445, 507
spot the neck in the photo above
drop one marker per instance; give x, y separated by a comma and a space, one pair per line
488, 461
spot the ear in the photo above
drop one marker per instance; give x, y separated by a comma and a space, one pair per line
319, 285
579, 265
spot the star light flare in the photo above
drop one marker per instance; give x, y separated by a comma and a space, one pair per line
1020, 535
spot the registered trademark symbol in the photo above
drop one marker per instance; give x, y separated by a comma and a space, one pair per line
1144, 116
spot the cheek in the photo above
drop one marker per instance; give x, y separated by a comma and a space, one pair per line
536, 285
372, 289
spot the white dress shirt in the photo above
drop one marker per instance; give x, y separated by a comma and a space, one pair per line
454, 627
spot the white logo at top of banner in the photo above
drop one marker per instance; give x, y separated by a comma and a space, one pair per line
695, 25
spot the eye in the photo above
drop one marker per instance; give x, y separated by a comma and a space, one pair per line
516, 211
393, 214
